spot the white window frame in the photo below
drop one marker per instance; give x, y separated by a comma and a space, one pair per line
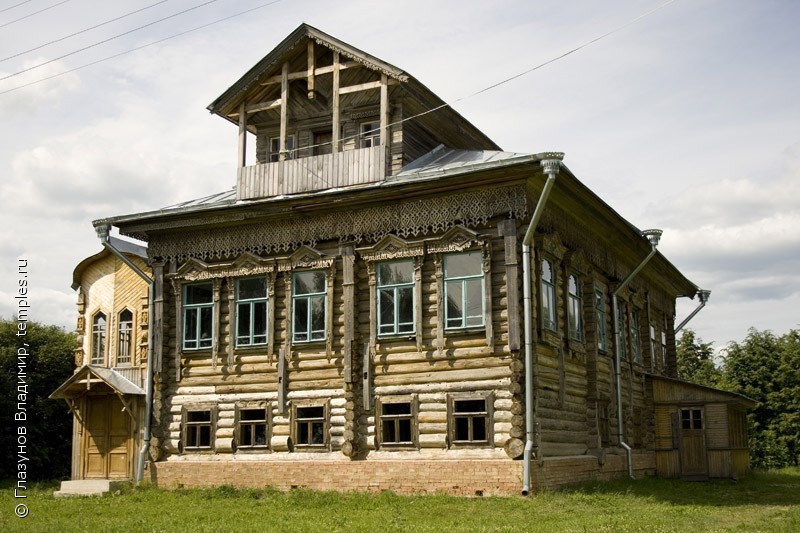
309, 297
464, 280
251, 303
369, 134
197, 343
274, 148
394, 289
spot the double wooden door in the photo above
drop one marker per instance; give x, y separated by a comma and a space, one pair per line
107, 439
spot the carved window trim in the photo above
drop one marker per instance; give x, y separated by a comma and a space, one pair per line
549, 248
98, 347
393, 248
459, 240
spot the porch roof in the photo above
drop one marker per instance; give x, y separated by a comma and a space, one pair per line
89, 375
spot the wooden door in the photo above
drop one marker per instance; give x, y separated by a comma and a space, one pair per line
694, 461
107, 440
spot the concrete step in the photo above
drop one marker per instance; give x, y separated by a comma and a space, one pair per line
87, 487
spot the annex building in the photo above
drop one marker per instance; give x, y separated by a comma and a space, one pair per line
385, 300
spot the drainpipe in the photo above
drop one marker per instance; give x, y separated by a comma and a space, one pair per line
102, 233
551, 166
653, 235
703, 297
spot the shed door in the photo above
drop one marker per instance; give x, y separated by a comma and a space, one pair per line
694, 462
108, 439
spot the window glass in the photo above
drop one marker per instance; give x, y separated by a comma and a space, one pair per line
124, 344
464, 290
310, 426
395, 286
309, 301
548, 295
198, 316
370, 133
396, 423
600, 312
470, 420
99, 339
198, 430
252, 428
251, 311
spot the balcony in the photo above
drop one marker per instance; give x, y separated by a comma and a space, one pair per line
309, 174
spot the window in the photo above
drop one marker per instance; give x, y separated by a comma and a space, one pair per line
309, 298
692, 418
198, 316
600, 311
397, 424
548, 295
653, 345
664, 345
395, 298
463, 290
251, 311
275, 148
370, 134
252, 428
198, 428
575, 309
636, 341
310, 426
470, 421
99, 339
124, 340
622, 326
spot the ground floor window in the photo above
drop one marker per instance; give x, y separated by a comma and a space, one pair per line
470, 420
309, 426
397, 423
198, 429
253, 428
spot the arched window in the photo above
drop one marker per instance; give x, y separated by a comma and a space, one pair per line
548, 277
124, 338
574, 309
99, 339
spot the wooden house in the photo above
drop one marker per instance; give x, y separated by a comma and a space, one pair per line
386, 300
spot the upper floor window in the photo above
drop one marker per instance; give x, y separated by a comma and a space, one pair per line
251, 311
636, 341
198, 316
463, 290
622, 328
275, 148
653, 346
395, 297
309, 299
600, 312
99, 326
575, 308
548, 295
369, 134
124, 338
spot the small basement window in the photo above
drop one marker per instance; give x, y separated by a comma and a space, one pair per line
253, 428
198, 430
397, 424
470, 421
310, 426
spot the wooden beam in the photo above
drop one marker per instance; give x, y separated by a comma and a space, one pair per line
335, 96
284, 110
273, 80
242, 153
363, 86
384, 85
255, 108
311, 60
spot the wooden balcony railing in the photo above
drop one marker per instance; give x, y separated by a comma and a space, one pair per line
315, 173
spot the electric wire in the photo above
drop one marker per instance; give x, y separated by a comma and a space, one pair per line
139, 47
12, 7
32, 14
82, 31
106, 40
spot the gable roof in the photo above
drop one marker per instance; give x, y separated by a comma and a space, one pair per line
269, 65
83, 379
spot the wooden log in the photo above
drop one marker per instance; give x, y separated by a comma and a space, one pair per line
514, 448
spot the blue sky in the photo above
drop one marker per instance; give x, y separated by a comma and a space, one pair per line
687, 120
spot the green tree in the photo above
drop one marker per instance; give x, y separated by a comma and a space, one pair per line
766, 368
695, 360
48, 424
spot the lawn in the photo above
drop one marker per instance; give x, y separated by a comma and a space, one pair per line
764, 501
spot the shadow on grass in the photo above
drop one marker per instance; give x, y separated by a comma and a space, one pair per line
758, 488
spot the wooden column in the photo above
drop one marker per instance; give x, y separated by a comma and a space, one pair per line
284, 110
335, 119
311, 67
232, 317
242, 156
508, 230
216, 285
157, 335
348, 261
177, 288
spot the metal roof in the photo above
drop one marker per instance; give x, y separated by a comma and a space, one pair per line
82, 380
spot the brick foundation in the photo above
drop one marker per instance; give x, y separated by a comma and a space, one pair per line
461, 477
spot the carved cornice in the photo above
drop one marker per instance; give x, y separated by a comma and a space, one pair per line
407, 219
391, 247
246, 264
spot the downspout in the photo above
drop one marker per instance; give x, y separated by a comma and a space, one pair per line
653, 235
551, 167
703, 296
102, 233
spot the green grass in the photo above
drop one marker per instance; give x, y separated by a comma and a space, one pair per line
762, 502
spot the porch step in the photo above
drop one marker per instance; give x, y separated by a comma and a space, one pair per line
87, 487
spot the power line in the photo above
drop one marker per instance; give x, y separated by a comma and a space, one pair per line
32, 14
82, 31
105, 40
140, 47
12, 7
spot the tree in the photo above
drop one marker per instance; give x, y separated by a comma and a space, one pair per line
695, 360
766, 368
48, 424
